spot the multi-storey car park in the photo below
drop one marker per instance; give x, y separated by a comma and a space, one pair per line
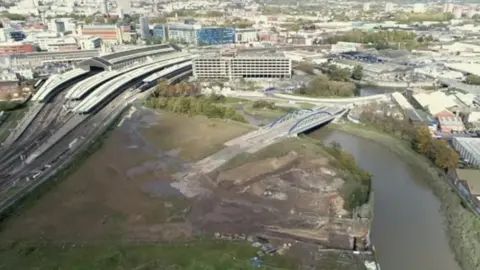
248, 66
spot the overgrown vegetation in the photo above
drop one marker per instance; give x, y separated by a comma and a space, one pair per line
418, 137
322, 86
355, 193
472, 79
185, 98
198, 254
357, 73
306, 67
410, 17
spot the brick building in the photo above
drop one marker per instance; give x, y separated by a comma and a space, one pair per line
15, 48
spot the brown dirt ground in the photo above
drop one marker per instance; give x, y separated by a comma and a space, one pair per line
99, 202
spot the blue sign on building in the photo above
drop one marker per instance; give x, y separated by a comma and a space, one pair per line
215, 36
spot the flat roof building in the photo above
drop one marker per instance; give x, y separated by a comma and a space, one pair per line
234, 67
468, 148
449, 124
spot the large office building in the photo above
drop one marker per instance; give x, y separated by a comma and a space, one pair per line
183, 33
159, 32
468, 148
215, 36
235, 67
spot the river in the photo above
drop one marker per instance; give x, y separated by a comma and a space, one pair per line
408, 227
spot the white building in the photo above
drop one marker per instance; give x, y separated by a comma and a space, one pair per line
448, 7
236, 67
468, 148
90, 43
419, 8
366, 7
389, 7
246, 35
144, 28
457, 12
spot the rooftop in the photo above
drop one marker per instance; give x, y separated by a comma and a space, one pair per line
472, 177
472, 145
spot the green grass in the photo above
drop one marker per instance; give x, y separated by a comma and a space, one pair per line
267, 113
305, 105
463, 226
197, 255
11, 121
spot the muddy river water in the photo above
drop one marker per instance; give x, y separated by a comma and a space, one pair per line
408, 228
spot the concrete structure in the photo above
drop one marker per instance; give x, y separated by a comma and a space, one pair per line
101, 94
468, 148
40, 58
56, 81
183, 33
124, 59
389, 7
457, 12
236, 67
366, 7
246, 35
144, 28
450, 124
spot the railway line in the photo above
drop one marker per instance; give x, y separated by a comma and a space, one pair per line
55, 132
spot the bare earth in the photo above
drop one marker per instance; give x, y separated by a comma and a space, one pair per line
124, 191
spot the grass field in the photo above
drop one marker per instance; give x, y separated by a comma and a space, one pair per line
195, 255
192, 138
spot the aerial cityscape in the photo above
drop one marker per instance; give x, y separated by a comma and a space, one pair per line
239, 134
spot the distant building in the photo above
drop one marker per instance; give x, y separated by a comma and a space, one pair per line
144, 28
246, 35
110, 34
235, 67
468, 148
90, 43
15, 48
468, 182
457, 12
183, 33
419, 8
449, 124
448, 7
159, 32
215, 36
389, 7
366, 7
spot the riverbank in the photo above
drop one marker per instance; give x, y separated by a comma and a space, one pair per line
462, 225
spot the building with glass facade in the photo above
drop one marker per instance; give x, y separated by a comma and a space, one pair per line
159, 32
215, 36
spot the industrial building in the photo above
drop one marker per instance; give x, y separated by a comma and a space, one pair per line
215, 36
234, 67
449, 124
468, 148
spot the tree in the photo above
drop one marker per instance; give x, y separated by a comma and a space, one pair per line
472, 79
422, 140
306, 67
357, 73
445, 157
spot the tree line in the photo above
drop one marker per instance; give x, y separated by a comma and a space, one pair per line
381, 39
418, 136
335, 82
185, 98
